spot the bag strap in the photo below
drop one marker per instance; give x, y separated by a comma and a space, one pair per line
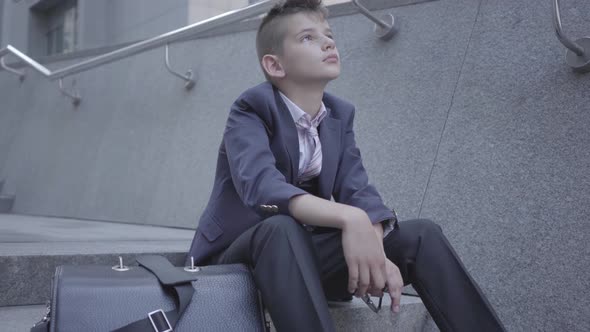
169, 277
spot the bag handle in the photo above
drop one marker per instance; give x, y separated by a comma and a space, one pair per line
170, 278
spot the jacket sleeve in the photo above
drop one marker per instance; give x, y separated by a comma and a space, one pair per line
352, 183
252, 164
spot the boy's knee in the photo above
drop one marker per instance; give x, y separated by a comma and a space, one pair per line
418, 228
283, 224
427, 225
413, 234
278, 232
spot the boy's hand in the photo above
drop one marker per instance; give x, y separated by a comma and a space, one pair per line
395, 284
363, 253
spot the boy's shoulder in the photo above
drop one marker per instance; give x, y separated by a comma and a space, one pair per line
263, 96
261, 93
340, 107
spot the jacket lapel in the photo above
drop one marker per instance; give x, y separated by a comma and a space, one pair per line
290, 135
329, 130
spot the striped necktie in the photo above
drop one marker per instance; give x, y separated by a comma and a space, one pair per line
314, 166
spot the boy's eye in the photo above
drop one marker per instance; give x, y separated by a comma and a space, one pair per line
306, 37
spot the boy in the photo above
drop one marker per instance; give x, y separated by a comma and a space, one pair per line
288, 147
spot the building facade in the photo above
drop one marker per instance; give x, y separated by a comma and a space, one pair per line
51, 27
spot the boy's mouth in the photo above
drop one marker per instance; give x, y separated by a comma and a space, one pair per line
331, 58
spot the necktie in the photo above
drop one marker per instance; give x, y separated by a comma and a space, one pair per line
314, 166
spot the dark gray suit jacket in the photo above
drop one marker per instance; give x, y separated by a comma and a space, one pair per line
258, 163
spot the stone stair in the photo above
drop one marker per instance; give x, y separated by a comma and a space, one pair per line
348, 317
32, 247
6, 201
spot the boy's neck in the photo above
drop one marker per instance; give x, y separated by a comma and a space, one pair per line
308, 98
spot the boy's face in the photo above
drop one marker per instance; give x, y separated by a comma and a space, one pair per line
309, 51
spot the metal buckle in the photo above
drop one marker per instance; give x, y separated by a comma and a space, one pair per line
370, 304
169, 329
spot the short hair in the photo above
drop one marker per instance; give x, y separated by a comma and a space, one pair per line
271, 32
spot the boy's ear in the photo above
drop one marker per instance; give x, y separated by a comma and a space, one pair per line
273, 66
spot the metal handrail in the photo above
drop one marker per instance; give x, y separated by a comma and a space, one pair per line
172, 36
384, 30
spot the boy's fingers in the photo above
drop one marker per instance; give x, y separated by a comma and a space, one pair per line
353, 277
396, 296
364, 280
376, 292
394, 282
377, 281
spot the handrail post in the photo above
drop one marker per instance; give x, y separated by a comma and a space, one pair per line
76, 99
188, 78
21, 74
384, 27
559, 32
578, 53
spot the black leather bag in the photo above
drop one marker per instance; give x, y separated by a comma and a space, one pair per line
154, 296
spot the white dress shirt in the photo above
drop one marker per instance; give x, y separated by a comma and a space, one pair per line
307, 147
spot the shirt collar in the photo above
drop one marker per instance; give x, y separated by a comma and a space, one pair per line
297, 112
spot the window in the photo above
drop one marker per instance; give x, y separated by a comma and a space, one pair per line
53, 27
62, 23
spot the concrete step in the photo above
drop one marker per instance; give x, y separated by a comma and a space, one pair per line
1, 185
6, 203
20, 318
357, 317
348, 317
32, 247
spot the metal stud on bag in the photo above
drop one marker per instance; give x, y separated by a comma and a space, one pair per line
120, 267
192, 267
47, 316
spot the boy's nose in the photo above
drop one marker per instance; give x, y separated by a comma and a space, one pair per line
329, 43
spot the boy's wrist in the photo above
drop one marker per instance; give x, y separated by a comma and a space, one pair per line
378, 229
352, 216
